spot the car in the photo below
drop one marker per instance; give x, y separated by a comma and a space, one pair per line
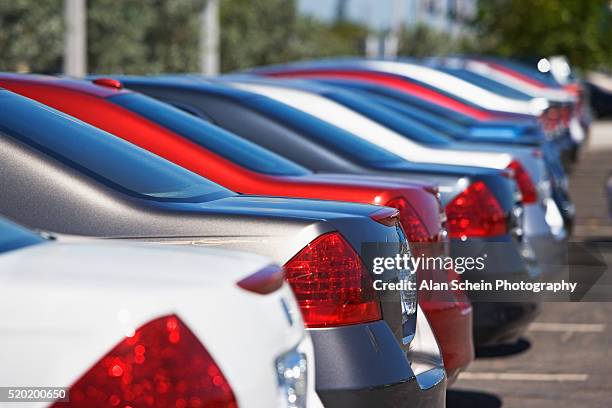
599, 86
545, 233
570, 115
60, 174
561, 118
411, 72
417, 143
325, 148
245, 167
395, 96
116, 323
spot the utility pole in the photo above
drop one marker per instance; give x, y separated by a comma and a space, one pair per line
392, 41
75, 38
209, 38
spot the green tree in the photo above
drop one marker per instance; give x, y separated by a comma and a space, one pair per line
256, 32
117, 36
174, 36
316, 39
423, 41
31, 35
536, 28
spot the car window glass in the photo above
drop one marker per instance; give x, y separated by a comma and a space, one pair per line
213, 138
323, 133
14, 237
100, 155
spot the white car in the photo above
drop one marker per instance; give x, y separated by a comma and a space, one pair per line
502, 77
122, 325
458, 87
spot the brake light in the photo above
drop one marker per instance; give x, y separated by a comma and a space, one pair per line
528, 190
162, 365
108, 82
413, 225
331, 284
475, 213
566, 116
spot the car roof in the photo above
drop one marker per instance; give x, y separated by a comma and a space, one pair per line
73, 84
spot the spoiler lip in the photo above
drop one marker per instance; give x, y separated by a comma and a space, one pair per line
265, 281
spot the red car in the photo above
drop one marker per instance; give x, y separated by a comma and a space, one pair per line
244, 167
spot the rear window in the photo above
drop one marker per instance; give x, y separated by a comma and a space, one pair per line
100, 155
412, 129
14, 237
211, 137
488, 83
404, 97
334, 138
434, 120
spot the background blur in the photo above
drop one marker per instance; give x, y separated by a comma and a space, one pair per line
152, 36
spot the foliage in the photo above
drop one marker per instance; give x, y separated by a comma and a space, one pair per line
31, 35
256, 32
423, 41
271, 31
152, 36
116, 36
535, 28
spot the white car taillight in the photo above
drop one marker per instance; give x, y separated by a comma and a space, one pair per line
163, 364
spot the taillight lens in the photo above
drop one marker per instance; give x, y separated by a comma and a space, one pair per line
331, 284
566, 116
411, 222
528, 190
162, 365
475, 213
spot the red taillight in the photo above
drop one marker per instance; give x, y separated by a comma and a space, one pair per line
162, 365
475, 213
413, 225
528, 190
566, 116
331, 284
551, 119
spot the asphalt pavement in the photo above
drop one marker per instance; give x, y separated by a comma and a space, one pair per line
565, 358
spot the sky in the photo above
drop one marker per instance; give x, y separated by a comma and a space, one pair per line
375, 13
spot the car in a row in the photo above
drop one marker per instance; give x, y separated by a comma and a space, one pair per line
321, 167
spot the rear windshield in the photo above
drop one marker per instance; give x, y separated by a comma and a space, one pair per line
334, 138
434, 120
412, 129
14, 237
100, 155
488, 84
211, 137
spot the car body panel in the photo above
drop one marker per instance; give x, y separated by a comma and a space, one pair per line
309, 142
184, 150
46, 192
81, 313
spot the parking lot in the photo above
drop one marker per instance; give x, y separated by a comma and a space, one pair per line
565, 359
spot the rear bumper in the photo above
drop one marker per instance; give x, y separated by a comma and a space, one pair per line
502, 322
453, 329
552, 256
497, 319
364, 366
